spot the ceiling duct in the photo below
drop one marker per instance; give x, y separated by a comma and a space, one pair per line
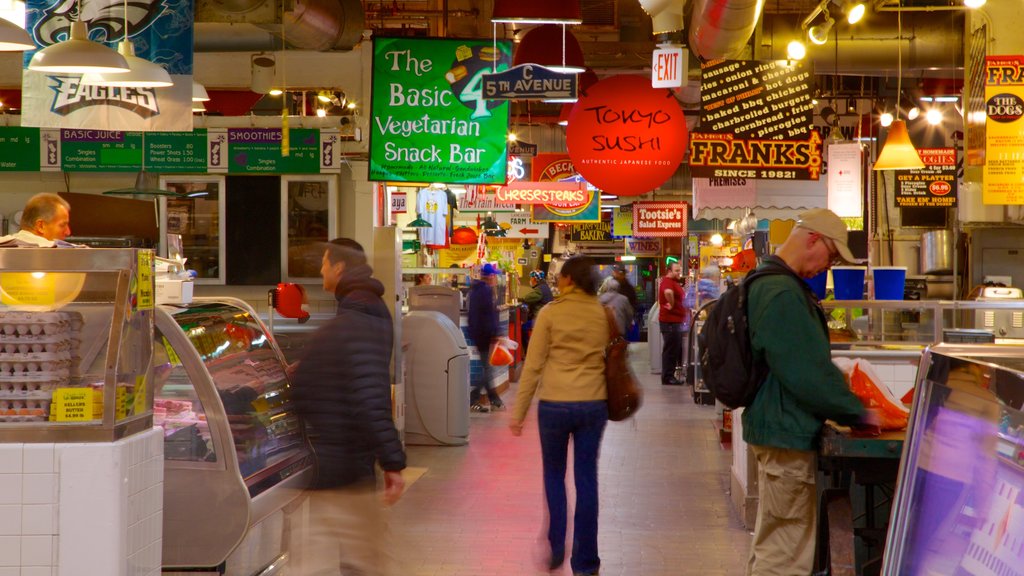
666, 15
254, 25
722, 28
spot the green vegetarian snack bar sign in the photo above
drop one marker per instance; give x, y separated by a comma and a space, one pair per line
430, 121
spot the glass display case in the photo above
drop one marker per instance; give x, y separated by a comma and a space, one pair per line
76, 331
958, 508
234, 449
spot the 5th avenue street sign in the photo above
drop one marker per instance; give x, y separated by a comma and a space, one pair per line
529, 82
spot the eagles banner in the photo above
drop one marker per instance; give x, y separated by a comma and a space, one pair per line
161, 31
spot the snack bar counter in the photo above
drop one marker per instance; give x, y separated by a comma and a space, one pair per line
235, 457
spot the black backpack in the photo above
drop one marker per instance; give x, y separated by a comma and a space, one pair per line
727, 359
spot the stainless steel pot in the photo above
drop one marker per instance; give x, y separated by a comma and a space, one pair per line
936, 252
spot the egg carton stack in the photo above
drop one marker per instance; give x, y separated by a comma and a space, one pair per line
38, 354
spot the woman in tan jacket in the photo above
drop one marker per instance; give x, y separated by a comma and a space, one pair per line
565, 368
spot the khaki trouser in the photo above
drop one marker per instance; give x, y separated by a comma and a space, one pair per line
346, 535
786, 530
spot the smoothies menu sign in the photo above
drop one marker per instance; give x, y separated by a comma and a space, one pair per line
429, 119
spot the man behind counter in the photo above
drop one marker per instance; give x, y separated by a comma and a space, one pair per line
45, 223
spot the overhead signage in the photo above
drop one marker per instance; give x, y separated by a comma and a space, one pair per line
481, 199
724, 192
100, 150
258, 151
429, 119
520, 148
934, 185
625, 137
560, 194
19, 149
559, 168
659, 219
722, 156
1003, 181
591, 232
530, 82
643, 247
668, 67
160, 32
622, 221
176, 151
763, 100
520, 225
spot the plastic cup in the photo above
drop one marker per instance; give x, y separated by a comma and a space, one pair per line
848, 282
818, 284
889, 282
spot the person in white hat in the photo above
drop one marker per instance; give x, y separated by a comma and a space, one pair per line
803, 388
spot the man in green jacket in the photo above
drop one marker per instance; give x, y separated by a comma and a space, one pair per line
803, 389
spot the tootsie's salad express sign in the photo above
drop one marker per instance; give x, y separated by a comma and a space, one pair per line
429, 119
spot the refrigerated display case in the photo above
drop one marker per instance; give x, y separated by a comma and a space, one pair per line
235, 454
958, 508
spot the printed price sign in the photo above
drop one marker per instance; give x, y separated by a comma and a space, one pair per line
72, 405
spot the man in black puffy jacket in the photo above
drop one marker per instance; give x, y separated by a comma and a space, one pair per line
342, 389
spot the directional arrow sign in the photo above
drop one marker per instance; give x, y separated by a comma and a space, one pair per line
519, 225
529, 82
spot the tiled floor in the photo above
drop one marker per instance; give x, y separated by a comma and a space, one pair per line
478, 510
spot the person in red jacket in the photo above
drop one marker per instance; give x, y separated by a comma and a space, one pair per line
672, 318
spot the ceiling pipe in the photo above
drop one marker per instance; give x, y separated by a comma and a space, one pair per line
722, 28
666, 15
321, 25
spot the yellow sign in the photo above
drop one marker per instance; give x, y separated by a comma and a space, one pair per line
144, 274
120, 404
39, 289
460, 255
622, 222
139, 403
72, 405
1003, 181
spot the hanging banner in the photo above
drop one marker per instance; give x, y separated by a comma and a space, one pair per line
625, 137
559, 168
160, 32
1003, 181
723, 156
429, 121
934, 185
659, 219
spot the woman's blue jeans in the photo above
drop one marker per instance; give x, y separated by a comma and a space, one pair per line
584, 422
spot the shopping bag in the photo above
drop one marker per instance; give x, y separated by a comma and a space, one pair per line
503, 352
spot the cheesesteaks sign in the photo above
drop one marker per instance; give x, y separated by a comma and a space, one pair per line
625, 137
560, 194
429, 119
659, 219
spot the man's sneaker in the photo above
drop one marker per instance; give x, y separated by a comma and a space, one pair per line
497, 407
479, 408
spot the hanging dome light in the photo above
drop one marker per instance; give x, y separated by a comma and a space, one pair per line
78, 55
142, 73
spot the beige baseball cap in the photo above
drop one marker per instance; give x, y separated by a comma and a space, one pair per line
825, 222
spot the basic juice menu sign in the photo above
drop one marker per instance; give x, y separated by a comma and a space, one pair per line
429, 118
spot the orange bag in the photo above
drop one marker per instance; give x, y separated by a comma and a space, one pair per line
501, 352
876, 395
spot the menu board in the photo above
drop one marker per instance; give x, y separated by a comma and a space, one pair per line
176, 151
19, 149
258, 151
934, 185
766, 100
100, 150
430, 121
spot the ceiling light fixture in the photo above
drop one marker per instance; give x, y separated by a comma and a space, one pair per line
199, 93
855, 12
553, 47
898, 153
818, 34
913, 113
78, 55
142, 73
14, 38
885, 119
275, 92
933, 116
974, 3
796, 50
536, 12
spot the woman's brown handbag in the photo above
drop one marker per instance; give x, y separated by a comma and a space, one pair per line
624, 394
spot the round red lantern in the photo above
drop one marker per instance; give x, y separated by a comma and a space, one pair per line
625, 137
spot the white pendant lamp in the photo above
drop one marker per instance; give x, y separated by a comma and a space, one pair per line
141, 74
78, 55
14, 38
199, 92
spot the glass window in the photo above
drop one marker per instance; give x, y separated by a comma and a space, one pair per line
250, 378
196, 216
307, 210
177, 407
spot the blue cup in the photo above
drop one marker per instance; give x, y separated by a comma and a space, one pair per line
889, 282
818, 284
848, 282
